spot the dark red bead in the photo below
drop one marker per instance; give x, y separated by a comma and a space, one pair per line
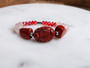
44, 34
61, 31
25, 33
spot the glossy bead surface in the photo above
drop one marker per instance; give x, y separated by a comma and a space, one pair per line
44, 34
24, 23
35, 22
60, 31
29, 23
25, 33
43, 22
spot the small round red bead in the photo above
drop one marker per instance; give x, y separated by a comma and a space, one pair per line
42, 22
29, 23
46, 23
24, 24
35, 22
32, 22
49, 23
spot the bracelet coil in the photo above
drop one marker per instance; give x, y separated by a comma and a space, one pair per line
42, 34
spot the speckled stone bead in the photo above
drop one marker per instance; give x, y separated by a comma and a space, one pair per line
44, 34
26, 33
60, 31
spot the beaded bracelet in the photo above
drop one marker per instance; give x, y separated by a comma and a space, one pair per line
42, 34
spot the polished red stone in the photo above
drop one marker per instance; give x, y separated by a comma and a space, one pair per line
61, 31
44, 34
25, 33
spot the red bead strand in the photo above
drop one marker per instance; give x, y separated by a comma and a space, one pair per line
49, 23
42, 34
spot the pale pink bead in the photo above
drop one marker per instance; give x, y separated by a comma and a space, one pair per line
17, 27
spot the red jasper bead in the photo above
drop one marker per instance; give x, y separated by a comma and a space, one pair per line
25, 33
60, 31
44, 34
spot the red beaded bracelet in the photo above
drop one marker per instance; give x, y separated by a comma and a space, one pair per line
42, 34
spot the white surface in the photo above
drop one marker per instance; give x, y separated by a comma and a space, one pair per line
72, 51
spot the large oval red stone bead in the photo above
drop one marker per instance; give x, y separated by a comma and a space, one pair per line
25, 33
44, 34
60, 31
